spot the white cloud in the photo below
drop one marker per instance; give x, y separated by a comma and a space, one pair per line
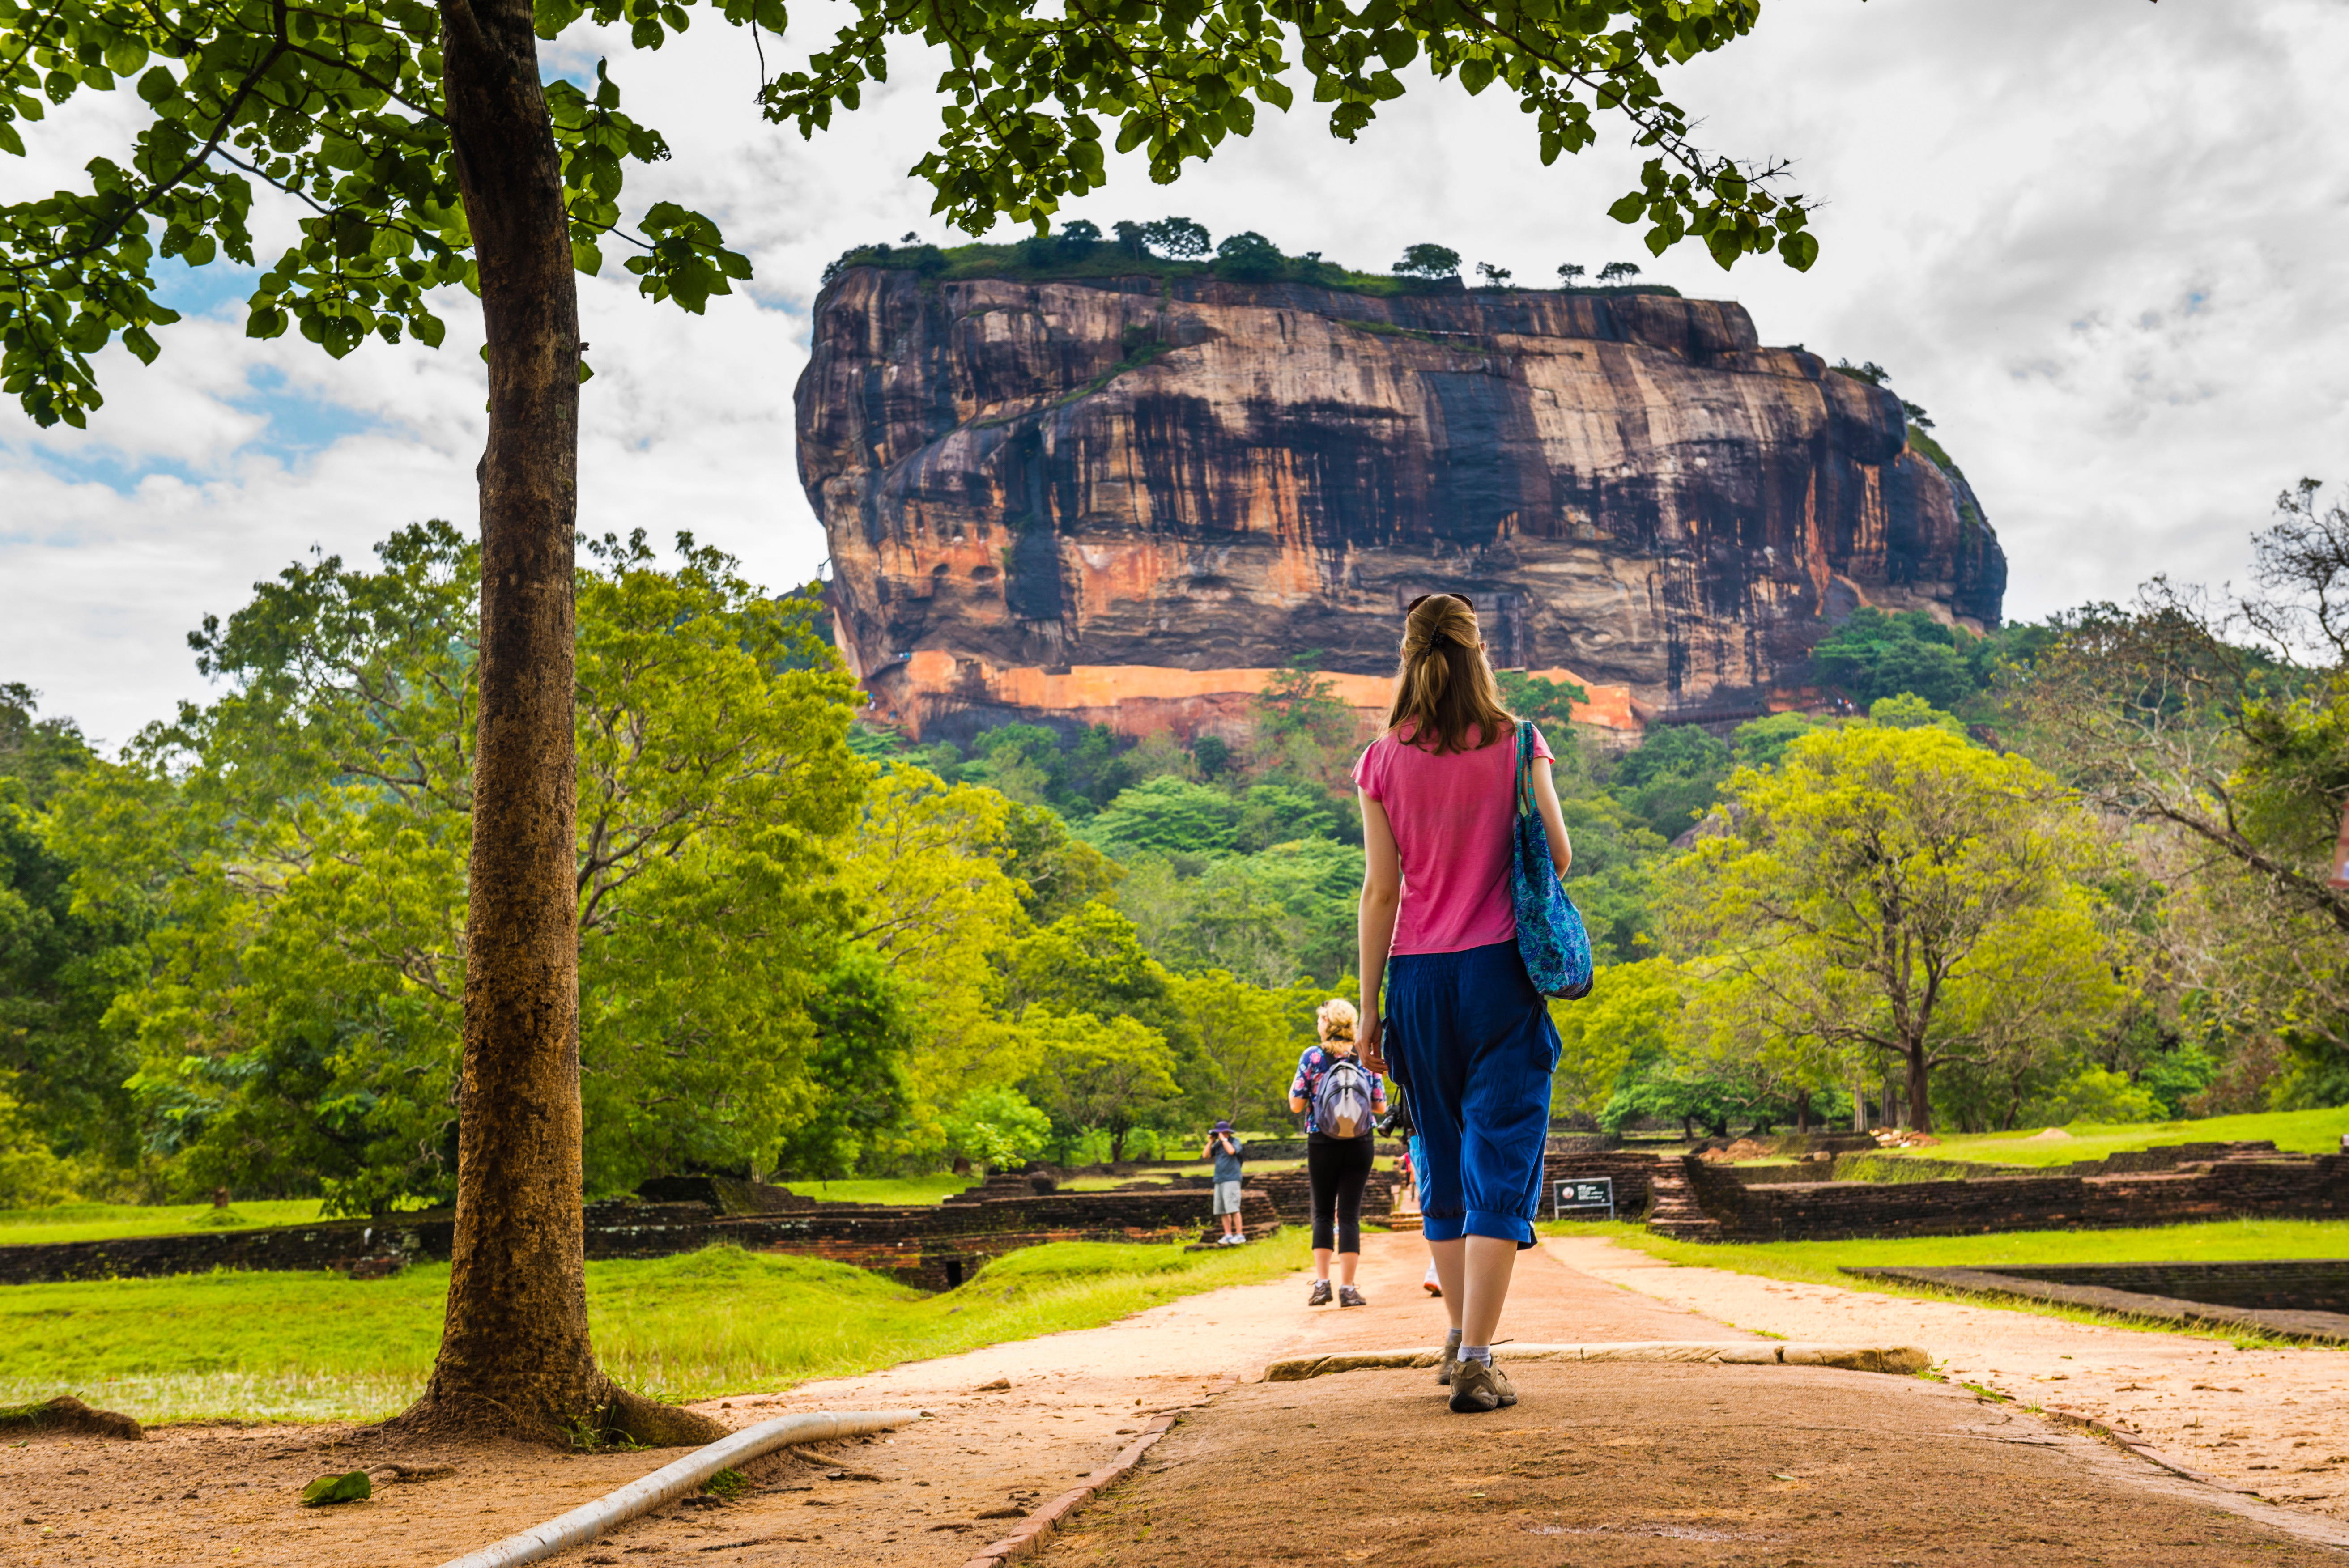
2102, 242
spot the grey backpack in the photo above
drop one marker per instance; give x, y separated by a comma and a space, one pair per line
1341, 1100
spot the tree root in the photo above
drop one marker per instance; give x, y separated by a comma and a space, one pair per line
656, 1425
613, 1417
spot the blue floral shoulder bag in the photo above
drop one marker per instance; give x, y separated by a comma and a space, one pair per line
1551, 937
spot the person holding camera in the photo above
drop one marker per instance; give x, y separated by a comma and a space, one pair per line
1223, 1147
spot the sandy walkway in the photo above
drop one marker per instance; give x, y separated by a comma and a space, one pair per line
2275, 1422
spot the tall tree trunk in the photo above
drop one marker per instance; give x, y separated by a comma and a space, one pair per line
1921, 1102
514, 1347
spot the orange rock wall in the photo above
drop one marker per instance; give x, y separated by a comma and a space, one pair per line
1124, 500
1137, 699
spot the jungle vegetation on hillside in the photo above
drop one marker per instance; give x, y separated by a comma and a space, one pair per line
2076, 871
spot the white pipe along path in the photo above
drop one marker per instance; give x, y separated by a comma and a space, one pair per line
671, 1482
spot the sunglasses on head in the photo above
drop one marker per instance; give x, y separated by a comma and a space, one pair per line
1466, 603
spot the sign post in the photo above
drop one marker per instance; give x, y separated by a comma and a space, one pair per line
1596, 1193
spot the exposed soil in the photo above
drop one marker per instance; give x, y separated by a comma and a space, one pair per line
2274, 1422
1645, 1449
1609, 1465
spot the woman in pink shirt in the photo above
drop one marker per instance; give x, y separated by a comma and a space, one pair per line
1463, 1029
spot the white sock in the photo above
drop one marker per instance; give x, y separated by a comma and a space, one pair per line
1477, 1353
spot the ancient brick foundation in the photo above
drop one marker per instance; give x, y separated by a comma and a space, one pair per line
934, 1247
2299, 1299
2273, 1186
1630, 1171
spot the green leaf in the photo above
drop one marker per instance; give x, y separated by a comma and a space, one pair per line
1629, 209
142, 343
350, 1487
1799, 250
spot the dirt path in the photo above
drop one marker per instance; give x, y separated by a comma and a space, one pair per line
1673, 1447
1638, 1466
2272, 1422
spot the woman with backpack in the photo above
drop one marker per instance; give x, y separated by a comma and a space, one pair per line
1341, 1099
1467, 1034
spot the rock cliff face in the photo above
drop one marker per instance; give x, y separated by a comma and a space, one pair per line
1128, 499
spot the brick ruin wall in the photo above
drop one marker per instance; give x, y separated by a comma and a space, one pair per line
931, 1246
2297, 1285
2271, 1187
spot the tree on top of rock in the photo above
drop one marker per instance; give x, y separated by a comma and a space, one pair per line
1248, 256
1428, 262
1618, 273
1177, 237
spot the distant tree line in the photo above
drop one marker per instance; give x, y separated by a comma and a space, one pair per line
1179, 246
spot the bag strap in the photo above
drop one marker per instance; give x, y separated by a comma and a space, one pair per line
1525, 767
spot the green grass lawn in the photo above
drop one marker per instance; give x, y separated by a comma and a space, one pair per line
317, 1346
2306, 1131
111, 1222
894, 1189
1821, 1262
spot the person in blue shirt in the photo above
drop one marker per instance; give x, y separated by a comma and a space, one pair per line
1223, 1147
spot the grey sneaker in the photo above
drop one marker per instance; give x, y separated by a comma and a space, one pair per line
1449, 1364
1320, 1297
1349, 1296
1478, 1386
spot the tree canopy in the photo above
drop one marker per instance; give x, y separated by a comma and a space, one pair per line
1901, 891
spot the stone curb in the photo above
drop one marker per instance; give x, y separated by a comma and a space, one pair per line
2140, 1447
1039, 1526
2245, 1503
1898, 1359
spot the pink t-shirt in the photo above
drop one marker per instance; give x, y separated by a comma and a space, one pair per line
1451, 816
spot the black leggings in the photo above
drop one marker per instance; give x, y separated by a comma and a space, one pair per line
1337, 1167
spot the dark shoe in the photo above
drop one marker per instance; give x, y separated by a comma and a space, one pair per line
1450, 1363
1478, 1386
1349, 1296
1320, 1297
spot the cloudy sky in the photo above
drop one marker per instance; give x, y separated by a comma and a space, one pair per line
2105, 242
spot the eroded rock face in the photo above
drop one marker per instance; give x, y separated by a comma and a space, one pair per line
1127, 499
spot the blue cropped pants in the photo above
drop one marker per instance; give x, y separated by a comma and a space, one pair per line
1471, 1042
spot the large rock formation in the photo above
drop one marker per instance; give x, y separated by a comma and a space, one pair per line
1128, 499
